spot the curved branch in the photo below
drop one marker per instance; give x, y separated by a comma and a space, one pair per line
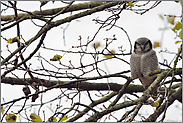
119, 106
81, 6
22, 19
121, 92
140, 100
157, 113
25, 60
96, 102
62, 21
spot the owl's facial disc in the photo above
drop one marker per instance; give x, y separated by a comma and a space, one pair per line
142, 47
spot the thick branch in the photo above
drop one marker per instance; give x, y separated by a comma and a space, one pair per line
140, 100
83, 85
157, 113
81, 6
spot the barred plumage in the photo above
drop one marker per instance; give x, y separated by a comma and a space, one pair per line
143, 61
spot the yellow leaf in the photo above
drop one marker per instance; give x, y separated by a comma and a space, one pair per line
180, 3
179, 49
171, 19
65, 117
156, 44
35, 118
180, 34
130, 3
11, 117
10, 41
96, 45
43, 2
173, 29
18, 39
156, 104
177, 26
178, 42
15, 39
111, 52
161, 16
2, 110
52, 119
56, 58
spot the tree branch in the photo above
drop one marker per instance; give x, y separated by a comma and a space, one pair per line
96, 102
29, 57
139, 101
81, 6
62, 21
82, 85
157, 113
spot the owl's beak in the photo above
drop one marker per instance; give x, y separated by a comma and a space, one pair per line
142, 47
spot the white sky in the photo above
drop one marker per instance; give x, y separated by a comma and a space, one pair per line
136, 25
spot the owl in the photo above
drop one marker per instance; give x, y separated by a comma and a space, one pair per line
143, 61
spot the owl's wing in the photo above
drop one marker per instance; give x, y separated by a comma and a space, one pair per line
135, 65
149, 63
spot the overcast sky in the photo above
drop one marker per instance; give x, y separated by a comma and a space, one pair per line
146, 25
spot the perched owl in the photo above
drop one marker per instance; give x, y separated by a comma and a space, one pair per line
143, 61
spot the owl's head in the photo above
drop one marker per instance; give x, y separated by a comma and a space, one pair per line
142, 45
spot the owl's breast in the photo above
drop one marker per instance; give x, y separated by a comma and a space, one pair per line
135, 63
148, 62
